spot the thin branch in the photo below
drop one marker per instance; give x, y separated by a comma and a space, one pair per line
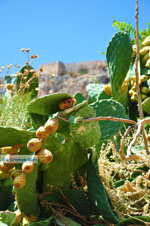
123, 142
108, 118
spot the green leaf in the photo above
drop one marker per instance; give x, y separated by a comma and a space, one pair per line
79, 97
7, 218
12, 136
138, 220
46, 222
109, 107
97, 192
93, 91
47, 105
64, 221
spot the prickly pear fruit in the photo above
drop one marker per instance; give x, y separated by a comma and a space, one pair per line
27, 167
107, 89
144, 58
146, 42
131, 92
34, 144
134, 49
143, 78
4, 168
144, 50
67, 103
143, 96
119, 54
124, 87
11, 150
19, 181
45, 156
144, 89
15, 173
51, 125
41, 133
147, 63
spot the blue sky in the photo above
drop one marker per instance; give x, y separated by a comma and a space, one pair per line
65, 30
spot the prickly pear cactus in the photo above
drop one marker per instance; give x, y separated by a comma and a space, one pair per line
119, 53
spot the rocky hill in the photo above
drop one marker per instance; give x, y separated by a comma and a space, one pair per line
71, 77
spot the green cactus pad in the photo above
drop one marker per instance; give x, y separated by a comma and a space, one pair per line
119, 54
7, 218
47, 105
79, 97
27, 196
93, 91
72, 159
109, 108
86, 134
146, 105
11, 136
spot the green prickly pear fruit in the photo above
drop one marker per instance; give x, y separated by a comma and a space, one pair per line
45, 156
144, 50
144, 58
41, 133
67, 103
107, 89
51, 125
19, 181
34, 145
143, 96
144, 90
147, 63
27, 167
146, 42
119, 54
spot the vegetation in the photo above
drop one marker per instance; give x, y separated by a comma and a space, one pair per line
70, 161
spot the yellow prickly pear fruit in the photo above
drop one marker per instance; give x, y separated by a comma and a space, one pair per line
51, 125
34, 145
27, 167
143, 96
133, 83
144, 89
147, 63
143, 78
127, 79
146, 42
133, 98
41, 133
124, 87
45, 156
133, 88
19, 181
144, 58
67, 103
131, 92
133, 78
107, 89
134, 50
144, 50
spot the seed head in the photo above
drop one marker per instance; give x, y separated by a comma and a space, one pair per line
45, 156
34, 145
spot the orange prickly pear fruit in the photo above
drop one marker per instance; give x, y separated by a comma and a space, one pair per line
107, 89
27, 167
144, 89
41, 133
45, 156
51, 125
19, 181
67, 103
124, 87
34, 145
